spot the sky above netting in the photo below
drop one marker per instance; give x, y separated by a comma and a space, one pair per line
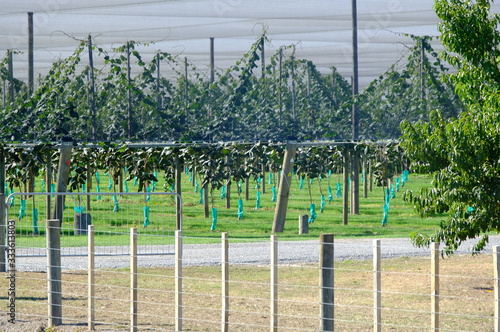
321, 30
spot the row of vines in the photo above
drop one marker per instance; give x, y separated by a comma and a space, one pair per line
259, 98
215, 165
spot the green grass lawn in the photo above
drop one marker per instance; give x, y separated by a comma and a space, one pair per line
257, 222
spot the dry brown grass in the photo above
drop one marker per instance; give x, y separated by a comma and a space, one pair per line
466, 297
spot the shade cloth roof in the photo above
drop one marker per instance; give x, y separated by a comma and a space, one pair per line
320, 29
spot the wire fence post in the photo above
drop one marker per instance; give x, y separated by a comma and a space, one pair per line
377, 287
91, 278
274, 283
54, 272
133, 280
435, 286
225, 283
496, 283
178, 281
326, 282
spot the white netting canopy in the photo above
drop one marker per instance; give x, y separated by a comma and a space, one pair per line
320, 29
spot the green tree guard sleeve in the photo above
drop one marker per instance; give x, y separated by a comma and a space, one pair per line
116, 207
385, 217
330, 194
12, 200
22, 209
338, 192
223, 192
240, 209
35, 220
79, 209
153, 183
312, 213
404, 177
274, 194
257, 201
214, 219
258, 181
146, 216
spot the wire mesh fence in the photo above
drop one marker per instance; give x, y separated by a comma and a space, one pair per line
259, 293
113, 214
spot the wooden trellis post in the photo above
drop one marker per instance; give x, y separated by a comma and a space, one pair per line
225, 283
274, 283
54, 279
326, 282
377, 287
91, 278
284, 189
133, 280
496, 286
435, 286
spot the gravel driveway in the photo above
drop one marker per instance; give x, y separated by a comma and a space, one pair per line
289, 252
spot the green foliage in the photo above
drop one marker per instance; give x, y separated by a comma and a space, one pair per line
408, 94
389, 161
169, 99
462, 153
469, 33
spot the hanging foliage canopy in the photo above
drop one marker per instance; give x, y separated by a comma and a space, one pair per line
284, 98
